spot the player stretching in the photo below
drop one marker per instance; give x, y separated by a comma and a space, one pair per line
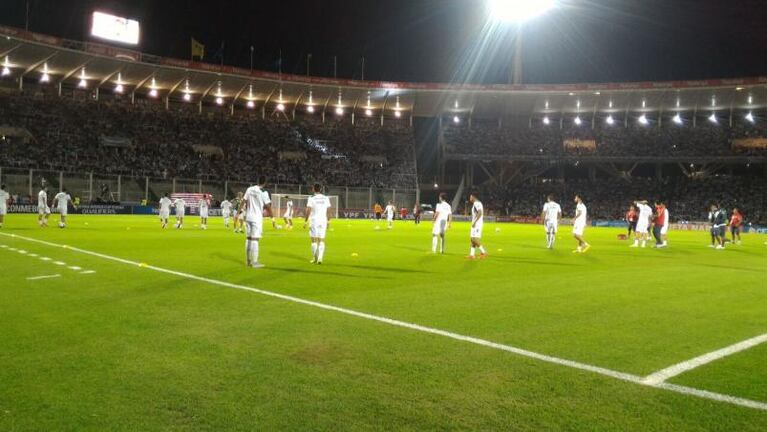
390, 210
551, 215
579, 225
288, 216
318, 218
736, 222
4, 198
643, 223
43, 211
477, 222
61, 201
180, 206
660, 225
164, 211
443, 215
254, 203
226, 211
204, 203
718, 219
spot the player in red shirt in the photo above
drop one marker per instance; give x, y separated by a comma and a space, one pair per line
631, 218
736, 222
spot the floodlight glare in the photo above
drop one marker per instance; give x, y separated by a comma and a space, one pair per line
339, 111
187, 97
546, 120
44, 78
250, 104
219, 100
6, 71
280, 107
456, 119
368, 112
153, 93
712, 118
119, 88
643, 119
610, 120
82, 83
577, 121
397, 114
310, 109
750, 117
518, 11
677, 119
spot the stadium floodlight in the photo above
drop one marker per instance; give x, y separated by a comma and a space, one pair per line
368, 112
712, 118
280, 106
518, 11
456, 119
250, 104
750, 117
83, 83
310, 109
44, 78
436, 185
187, 97
546, 120
153, 93
398, 113
219, 100
643, 119
119, 88
610, 120
577, 121
6, 71
339, 111
677, 119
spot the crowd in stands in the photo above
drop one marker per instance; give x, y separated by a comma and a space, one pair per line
636, 140
688, 199
145, 139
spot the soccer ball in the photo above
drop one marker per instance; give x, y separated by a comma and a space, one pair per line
61, 225
279, 227
497, 230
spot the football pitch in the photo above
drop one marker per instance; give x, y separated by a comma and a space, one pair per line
115, 324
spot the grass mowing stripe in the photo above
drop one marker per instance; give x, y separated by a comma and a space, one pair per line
44, 277
680, 368
719, 397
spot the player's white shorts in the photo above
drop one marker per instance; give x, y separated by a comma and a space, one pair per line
43, 210
254, 229
439, 227
204, 213
579, 228
288, 215
317, 231
389, 217
63, 211
551, 226
643, 227
476, 231
164, 214
226, 214
664, 229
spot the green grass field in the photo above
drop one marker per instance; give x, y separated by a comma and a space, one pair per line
118, 346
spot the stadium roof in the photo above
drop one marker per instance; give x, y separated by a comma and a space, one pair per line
67, 62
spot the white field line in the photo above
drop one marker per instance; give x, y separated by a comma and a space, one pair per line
430, 330
664, 375
43, 277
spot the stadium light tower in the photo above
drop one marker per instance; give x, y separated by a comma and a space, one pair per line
517, 12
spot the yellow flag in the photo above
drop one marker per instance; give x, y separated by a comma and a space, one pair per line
198, 49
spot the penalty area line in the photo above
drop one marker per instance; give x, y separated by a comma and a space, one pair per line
748, 403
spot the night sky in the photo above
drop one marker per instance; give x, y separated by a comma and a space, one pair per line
441, 40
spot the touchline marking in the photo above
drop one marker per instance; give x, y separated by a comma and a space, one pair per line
719, 397
664, 375
44, 277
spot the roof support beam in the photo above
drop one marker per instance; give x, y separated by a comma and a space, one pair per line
72, 72
325, 106
172, 89
237, 96
298, 101
205, 93
383, 110
266, 102
107, 78
354, 108
34, 66
138, 86
9, 50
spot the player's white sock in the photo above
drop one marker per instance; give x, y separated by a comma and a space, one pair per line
472, 251
321, 251
434, 241
644, 243
482, 250
253, 252
442, 246
314, 250
636, 242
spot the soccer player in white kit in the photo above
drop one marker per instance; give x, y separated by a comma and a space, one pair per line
4, 198
318, 218
288, 216
579, 225
477, 222
390, 210
551, 215
643, 223
254, 203
61, 202
443, 215
204, 204
164, 211
43, 211
226, 211
180, 206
